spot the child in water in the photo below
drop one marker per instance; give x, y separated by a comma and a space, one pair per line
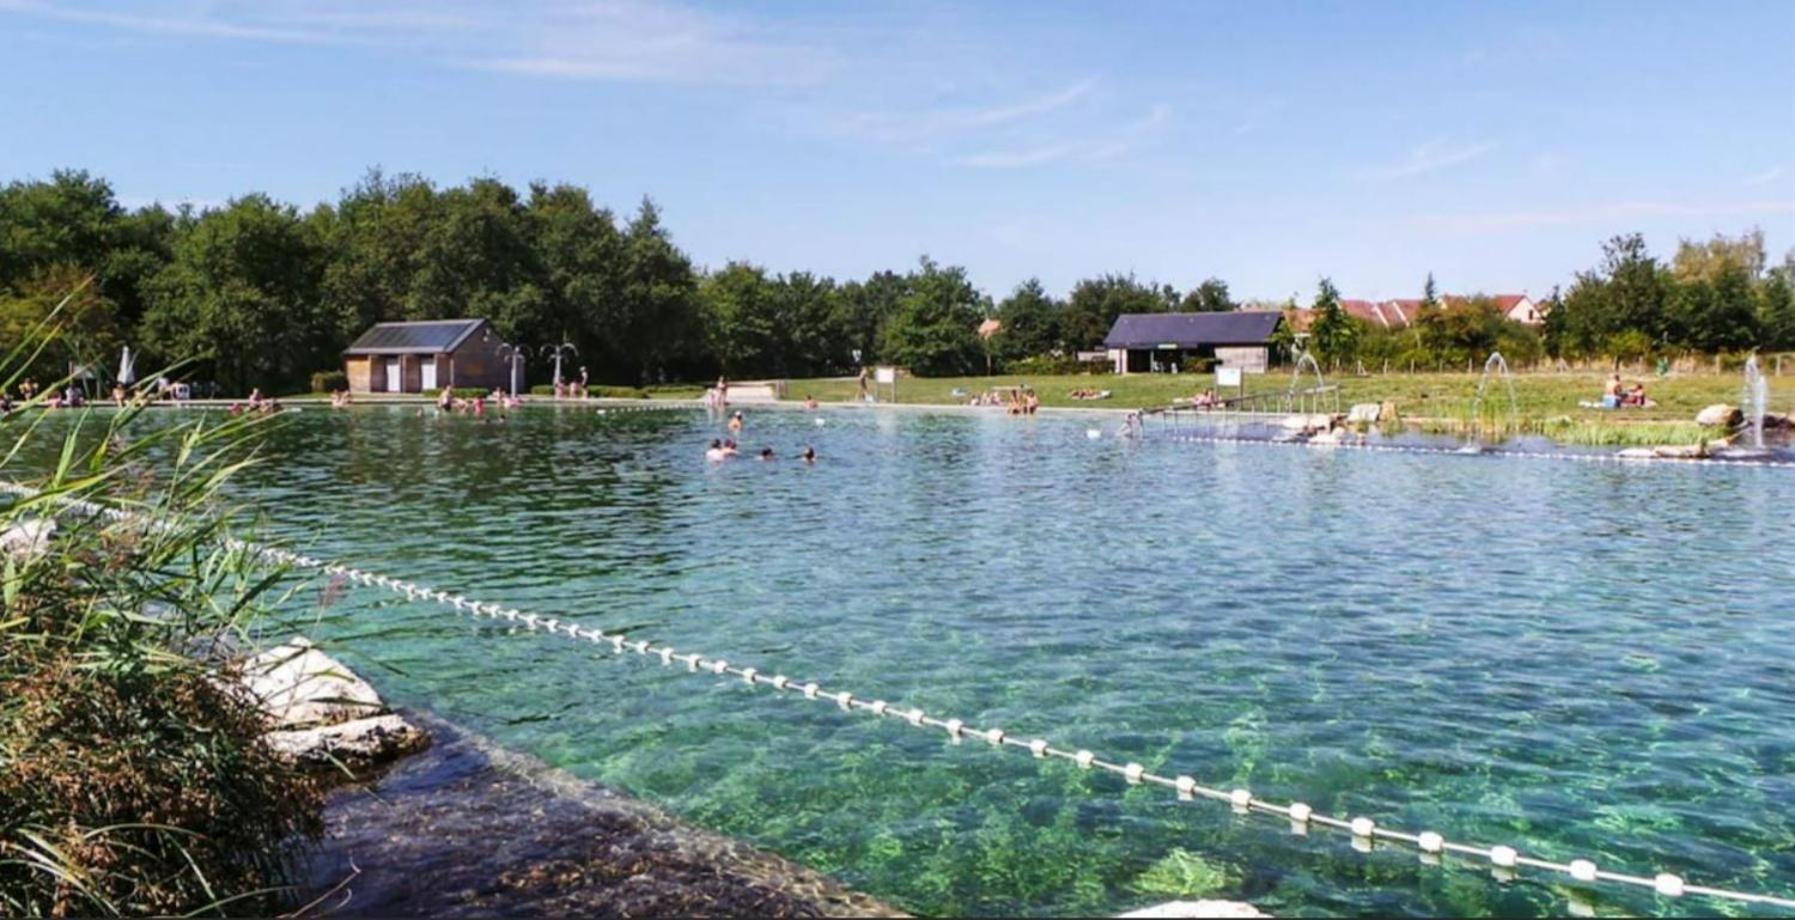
714, 453
809, 454
766, 453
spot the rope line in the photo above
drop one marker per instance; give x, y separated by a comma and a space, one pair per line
1365, 832
1615, 458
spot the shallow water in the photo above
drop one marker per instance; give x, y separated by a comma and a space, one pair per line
1575, 659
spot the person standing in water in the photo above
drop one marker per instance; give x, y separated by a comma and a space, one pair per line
735, 423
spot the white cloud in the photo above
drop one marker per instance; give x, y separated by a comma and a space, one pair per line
1430, 157
1606, 212
925, 127
1106, 146
623, 40
1766, 177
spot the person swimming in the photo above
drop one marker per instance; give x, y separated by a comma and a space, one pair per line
809, 454
715, 453
809, 401
729, 448
766, 453
735, 423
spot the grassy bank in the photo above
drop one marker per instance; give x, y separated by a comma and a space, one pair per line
1447, 395
1545, 403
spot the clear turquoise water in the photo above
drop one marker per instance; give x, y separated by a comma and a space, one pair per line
1578, 660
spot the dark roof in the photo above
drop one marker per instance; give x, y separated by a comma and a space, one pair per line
1191, 330
430, 337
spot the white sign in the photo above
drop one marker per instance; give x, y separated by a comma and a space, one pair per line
885, 375
1227, 376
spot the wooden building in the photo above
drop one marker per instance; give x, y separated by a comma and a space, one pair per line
1158, 342
421, 356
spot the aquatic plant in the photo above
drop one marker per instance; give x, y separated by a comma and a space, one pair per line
133, 779
1182, 873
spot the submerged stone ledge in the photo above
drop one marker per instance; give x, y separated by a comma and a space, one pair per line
467, 828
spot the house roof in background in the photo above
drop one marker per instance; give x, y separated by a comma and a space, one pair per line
1191, 330
427, 337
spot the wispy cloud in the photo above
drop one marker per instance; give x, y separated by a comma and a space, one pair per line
1598, 213
618, 40
1119, 142
196, 25
926, 127
1766, 177
1433, 156
629, 40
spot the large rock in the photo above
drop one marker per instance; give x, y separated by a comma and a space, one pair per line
28, 538
1204, 908
299, 686
1365, 413
358, 741
1720, 415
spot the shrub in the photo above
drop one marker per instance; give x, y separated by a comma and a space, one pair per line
1043, 365
131, 779
329, 381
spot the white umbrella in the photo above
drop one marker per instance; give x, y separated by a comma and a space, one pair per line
127, 374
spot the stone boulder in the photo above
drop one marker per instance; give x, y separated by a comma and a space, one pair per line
319, 712
1365, 413
299, 686
1231, 910
28, 538
1720, 415
356, 741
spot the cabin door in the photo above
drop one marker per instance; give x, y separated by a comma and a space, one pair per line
395, 376
427, 372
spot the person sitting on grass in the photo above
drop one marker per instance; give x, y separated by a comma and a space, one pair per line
1206, 400
1611, 393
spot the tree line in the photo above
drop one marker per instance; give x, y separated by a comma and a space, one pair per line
256, 292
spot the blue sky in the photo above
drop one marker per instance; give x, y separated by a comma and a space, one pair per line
1495, 144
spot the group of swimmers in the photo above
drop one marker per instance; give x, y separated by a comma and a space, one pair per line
722, 449
447, 401
256, 403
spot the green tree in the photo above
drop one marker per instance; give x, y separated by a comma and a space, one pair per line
934, 331
1334, 334
1096, 302
864, 308
84, 333
1031, 323
815, 340
580, 252
742, 323
1706, 261
653, 331
1776, 306
73, 220
1209, 297
241, 296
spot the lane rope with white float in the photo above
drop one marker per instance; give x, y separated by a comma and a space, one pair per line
1365, 832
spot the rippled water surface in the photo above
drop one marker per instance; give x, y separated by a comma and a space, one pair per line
1575, 659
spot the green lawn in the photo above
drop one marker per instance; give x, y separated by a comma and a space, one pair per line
1544, 402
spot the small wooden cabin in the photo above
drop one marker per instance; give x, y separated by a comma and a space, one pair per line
420, 356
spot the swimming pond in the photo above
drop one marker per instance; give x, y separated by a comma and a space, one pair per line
1574, 659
